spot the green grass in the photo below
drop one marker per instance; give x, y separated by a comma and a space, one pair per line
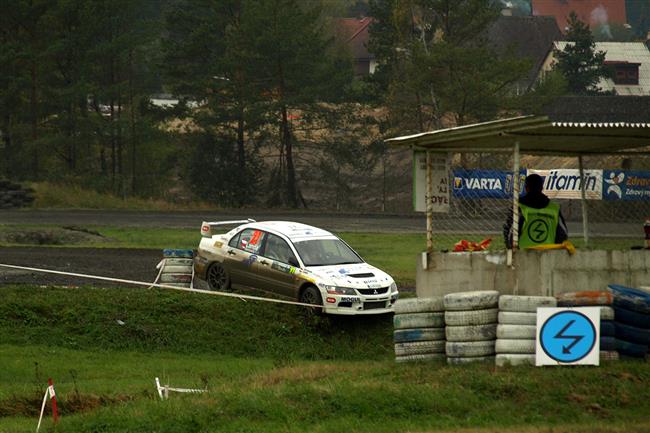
270, 368
58, 196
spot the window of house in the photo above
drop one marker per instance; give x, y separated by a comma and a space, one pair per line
626, 73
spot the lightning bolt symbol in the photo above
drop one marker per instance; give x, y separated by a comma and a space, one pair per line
539, 230
576, 338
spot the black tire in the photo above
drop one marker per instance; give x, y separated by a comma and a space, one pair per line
607, 328
217, 278
632, 334
311, 295
632, 318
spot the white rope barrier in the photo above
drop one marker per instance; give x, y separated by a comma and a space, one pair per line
161, 286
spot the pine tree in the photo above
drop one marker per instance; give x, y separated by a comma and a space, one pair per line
579, 62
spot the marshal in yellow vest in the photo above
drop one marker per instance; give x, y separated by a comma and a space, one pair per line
539, 225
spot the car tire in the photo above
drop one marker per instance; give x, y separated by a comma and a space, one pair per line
464, 360
632, 318
419, 305
418, 334
218, 278
632, 334
420, 348
525, 304
419, 320
514, 359
584, 298
475, 317
311, 295
609, 355
471, 333
512, 318
517, 332
421, 357
515, 346
478, 300
469, 349
607, 328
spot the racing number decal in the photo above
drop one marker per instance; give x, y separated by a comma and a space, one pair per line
538, 230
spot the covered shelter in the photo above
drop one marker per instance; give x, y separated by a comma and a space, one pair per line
533, 135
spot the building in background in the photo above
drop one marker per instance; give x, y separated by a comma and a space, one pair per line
353, 32
596, 13
630, 62
526, 37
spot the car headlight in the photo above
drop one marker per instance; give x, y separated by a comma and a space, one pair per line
335, 290
393, 288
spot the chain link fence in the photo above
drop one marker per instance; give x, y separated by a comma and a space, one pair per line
617, 191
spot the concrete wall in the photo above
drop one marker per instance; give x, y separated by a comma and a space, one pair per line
534, 272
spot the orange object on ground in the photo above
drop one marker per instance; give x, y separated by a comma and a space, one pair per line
566, 245
464, 245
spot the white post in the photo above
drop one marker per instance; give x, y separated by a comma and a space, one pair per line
583, 202
40, 418
429, 204
515, 203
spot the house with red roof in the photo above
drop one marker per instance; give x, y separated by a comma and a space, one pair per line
354, 32
593, 12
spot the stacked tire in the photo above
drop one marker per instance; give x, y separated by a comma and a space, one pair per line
176, 268
471, 322
517, 329
602, 299
12, 195
632, 313
419, 332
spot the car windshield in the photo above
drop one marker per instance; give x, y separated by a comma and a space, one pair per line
325, 252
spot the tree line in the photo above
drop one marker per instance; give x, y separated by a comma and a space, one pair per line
268, 103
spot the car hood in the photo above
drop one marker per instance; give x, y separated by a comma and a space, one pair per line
357, 276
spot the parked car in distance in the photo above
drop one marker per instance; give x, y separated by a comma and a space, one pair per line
293, 260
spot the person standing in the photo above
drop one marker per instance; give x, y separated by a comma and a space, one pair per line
540, 220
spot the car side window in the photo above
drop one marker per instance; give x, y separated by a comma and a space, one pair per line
277, 249
249, 240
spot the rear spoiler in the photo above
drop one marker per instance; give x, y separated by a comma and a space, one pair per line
206, 227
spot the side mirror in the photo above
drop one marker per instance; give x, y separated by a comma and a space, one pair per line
293, 262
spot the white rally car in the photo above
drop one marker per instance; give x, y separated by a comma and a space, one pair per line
294, 260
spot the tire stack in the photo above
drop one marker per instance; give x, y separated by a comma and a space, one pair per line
602, 299
12, 195
471, 323
176, 268
419, 333
632, 312
517, 329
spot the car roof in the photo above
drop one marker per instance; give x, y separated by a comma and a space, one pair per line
292, 230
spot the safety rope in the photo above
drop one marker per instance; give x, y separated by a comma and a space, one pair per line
161, 286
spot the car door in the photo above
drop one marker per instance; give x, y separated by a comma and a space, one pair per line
277, 266
242, 255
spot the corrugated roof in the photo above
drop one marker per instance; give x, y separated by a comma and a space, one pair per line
633, 52
594, 109
535, 135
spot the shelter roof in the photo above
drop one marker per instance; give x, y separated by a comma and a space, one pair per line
598, 109
535, 135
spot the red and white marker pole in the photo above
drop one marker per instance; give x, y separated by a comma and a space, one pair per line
55, 412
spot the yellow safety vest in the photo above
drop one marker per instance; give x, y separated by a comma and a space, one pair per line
539, 225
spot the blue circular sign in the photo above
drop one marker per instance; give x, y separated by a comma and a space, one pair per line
567, 336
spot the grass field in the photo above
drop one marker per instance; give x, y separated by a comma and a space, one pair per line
271, 368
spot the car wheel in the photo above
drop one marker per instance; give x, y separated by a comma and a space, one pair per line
217, 278
311, 295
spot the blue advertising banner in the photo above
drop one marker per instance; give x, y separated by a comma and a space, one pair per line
626, 185
484, 183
